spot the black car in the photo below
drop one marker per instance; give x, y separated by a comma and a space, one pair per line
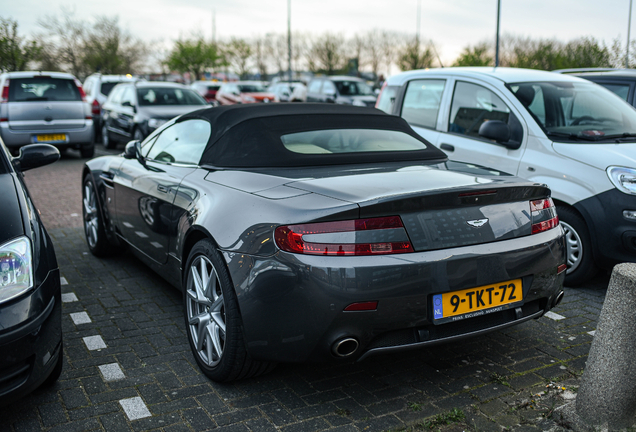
134, 110
344, 90
619, 81
30, 296
323, 232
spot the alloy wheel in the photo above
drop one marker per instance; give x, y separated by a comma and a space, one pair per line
574, 247
206, 311
91, 215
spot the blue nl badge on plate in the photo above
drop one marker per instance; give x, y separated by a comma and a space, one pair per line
438, 311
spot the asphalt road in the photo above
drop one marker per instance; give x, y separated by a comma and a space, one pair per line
128, 364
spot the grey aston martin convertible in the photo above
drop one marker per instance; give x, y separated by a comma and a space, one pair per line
322, 232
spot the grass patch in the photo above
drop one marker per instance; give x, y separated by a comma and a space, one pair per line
453, 416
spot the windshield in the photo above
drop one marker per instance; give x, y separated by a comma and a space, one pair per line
252, 88
353, 88
153, 96
577, 110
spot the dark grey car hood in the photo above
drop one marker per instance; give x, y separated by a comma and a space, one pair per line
10, 213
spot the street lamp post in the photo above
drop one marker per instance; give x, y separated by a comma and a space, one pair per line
289, 46
497, 41
629, 28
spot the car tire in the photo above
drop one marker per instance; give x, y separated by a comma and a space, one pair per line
138, 135
580, 262
212, 318
87, 151
106, 140
94, 229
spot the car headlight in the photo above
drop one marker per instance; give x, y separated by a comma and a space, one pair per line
623, 178
16, 268
358, 102
155, 123
249, 99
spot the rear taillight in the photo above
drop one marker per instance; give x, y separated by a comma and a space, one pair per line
81, 90
377, 236
96, 108
5, 92
544, 215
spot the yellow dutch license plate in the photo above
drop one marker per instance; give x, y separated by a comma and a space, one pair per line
478, 301
47, 138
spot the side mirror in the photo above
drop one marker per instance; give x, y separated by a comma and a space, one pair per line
34, 156
133, 151
495, 130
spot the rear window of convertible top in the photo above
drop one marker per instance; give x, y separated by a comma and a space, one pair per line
350, 141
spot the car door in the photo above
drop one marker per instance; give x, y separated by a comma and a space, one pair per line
127, 110
471, 105
421, 106
146, 192
313, 91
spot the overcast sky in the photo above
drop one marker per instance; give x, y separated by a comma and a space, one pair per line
451, 24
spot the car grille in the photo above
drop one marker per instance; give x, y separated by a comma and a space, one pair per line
411, 336
14, 376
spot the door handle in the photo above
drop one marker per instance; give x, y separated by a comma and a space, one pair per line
447, 147
164, 189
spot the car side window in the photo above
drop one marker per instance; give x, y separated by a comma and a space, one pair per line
473, 105
422, 101
182, 142
314, 86
621, 90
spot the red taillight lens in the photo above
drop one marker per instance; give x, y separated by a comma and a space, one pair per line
544, 216
377, 236
362, 306
81, 90
5, 92
96, 109
377, 101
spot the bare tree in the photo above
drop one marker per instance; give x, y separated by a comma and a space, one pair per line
66, 36
262, 50
327, 54
238, 52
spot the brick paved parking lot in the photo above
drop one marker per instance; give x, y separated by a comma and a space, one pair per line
128, 366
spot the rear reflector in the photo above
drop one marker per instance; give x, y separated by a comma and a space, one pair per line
562, 268
544, 216
96, 109
377, 236
362, 306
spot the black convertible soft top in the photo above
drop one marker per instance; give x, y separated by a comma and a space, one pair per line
250, 135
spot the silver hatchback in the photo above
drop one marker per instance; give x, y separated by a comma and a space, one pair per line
45, 107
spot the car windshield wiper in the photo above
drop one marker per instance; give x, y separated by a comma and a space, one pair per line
572, 136
626, 136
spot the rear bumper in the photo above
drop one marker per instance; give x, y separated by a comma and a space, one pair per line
31, 348
292, 306
75, 137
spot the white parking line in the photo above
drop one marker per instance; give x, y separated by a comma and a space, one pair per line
63, 281
592, 333
80, 318
135, 408
68, 297
94, 343
112, 372
554, 316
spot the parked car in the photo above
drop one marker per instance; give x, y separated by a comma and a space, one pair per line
135, 110
243, 92
341, 90
207, 89
575, 136
45, 107
97, 88
619, 81
30, 295
323, 232
283, 91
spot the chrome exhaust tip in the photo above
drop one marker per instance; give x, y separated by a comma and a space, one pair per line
345, 347
558, 299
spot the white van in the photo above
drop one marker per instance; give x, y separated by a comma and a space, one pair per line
571, 134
